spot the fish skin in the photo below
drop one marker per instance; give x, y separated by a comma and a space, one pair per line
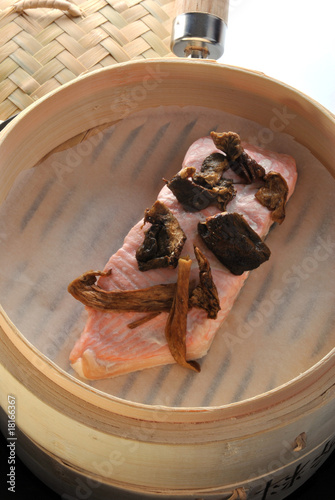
107, 347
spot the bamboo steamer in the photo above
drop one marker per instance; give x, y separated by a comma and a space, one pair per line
83, 441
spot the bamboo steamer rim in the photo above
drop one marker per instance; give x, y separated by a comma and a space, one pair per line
322, 113
280, 396
40, 366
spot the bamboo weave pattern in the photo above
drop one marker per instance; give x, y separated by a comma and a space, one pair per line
41, 49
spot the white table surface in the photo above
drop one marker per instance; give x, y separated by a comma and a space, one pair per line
290, 40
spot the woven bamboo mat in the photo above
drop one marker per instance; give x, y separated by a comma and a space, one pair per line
43, 48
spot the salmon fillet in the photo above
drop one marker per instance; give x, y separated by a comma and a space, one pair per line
108, 347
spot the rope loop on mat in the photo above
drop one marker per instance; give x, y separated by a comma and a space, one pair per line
63, 5
239, 494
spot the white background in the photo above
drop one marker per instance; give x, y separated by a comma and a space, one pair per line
290, 40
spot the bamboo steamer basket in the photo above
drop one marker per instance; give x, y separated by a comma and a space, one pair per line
82, 441
73, 434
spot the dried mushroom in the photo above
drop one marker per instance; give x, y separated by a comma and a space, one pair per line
157, 298
197, 196
236, 245
163, 241
205, 295
211, 170
229, 143
191, 196
152, 300
225, 192
247, 168
273, 195
176, 325
239, 161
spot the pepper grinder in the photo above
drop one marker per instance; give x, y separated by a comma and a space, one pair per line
199, 28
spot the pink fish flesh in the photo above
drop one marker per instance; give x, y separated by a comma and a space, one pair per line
108, 347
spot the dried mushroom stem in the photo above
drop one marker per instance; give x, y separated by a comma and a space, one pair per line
205, 295
157, 298
152, 300
176, 325
175, 298
143, 320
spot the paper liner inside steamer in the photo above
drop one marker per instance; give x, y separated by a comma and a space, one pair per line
71, 212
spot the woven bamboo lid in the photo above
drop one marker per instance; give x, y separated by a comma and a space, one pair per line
43, 48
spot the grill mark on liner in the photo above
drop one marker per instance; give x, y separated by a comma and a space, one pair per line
79, 217
175, 149
296, 223
156, 386
327, 330
8, 285
243, 386
28, 299
68, 322
326, 227
58, 297
278, 315
142, 161
54, 303
211, 129
308, 206
24, 304
29, 214
67, 325
263, 289
98, 150
39, 328
125, 147
128, 385
217, 380
185, 386
51, 221
100, 231
304, 319
271, 384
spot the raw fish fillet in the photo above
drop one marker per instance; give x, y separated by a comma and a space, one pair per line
108, 347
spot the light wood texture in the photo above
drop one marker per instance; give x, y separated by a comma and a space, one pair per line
79, 425
44, 48
217, 8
